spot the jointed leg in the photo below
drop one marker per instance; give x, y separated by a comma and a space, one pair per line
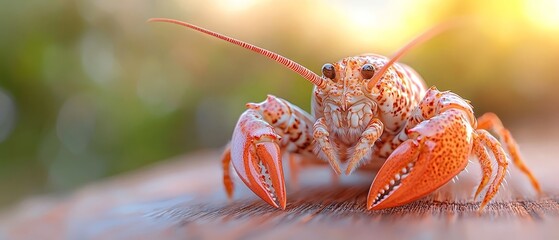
488, 140
366, 143
490, 121
226, 165
484, 161
321, 135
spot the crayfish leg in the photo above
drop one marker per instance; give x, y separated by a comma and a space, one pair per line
491, 122
226, 166
486, 168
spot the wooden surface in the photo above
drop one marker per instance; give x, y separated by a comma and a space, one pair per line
183, 198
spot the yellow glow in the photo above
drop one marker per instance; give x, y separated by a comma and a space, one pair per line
544, 13
383, 24
235, 5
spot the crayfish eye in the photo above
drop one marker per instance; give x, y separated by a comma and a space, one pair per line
328, 71
367, 71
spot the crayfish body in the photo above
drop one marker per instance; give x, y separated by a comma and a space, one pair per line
365, 109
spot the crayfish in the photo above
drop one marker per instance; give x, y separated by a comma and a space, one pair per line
367, 109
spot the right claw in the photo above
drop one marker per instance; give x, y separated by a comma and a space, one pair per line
256, 157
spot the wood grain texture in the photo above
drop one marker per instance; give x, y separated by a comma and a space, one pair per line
183, 199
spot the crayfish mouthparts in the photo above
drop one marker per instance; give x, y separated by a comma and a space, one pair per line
392, 185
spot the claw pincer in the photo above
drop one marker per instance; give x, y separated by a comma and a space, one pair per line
256, 157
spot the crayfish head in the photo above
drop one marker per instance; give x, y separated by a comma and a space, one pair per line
346, 80
346, 102
351, 73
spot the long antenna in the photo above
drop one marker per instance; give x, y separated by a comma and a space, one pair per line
413, 43
294, 66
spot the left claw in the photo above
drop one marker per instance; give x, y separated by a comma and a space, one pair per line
420, 165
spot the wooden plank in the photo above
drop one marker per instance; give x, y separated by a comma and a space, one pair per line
183, 198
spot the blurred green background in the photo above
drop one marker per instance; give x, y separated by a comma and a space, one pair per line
88, 89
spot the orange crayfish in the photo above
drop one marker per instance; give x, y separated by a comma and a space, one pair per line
367, 109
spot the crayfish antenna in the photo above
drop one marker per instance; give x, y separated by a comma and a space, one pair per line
294, 66
413, 43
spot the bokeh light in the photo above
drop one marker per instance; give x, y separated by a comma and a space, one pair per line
543, 13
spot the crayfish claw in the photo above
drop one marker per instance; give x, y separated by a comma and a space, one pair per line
256, 158
436, 153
